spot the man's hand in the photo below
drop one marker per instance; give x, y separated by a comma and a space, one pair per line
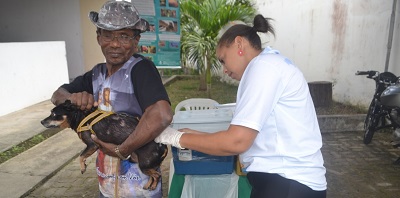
107, 148
83, 100
170, 136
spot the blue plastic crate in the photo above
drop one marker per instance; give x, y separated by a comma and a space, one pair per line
202, 164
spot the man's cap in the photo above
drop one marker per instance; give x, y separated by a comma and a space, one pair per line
116, 15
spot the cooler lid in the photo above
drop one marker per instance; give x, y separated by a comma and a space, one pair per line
203, 116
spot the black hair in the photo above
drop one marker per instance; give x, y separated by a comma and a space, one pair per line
260, 24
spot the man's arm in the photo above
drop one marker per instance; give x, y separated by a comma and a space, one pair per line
60, 96
155, 119
79, 92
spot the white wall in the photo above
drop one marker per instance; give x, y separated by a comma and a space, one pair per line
45, 20
331, 40
30, 73
395, 52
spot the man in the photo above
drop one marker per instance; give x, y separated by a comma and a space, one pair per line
133, 85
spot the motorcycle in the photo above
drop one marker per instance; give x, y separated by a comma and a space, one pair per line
384, 110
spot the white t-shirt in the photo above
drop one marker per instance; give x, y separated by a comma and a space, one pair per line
273, 98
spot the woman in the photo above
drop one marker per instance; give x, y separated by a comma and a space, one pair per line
274, 127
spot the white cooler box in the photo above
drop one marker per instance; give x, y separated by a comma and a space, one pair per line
190, 162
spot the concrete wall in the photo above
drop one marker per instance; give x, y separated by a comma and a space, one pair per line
33, 77
331, 40
91, 48
45, 20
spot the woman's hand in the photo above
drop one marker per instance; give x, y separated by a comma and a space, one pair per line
170, 136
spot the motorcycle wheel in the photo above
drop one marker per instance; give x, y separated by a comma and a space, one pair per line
371, 121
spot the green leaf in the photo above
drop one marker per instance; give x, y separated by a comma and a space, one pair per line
201, 21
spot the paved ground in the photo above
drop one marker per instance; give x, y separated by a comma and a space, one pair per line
69, 182
354, 170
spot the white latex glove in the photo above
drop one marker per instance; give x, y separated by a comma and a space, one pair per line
170, 136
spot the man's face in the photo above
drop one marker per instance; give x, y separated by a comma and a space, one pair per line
117, 46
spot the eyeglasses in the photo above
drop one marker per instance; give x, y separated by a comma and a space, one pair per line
123, 39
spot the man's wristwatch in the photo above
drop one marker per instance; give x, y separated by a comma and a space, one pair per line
116, 149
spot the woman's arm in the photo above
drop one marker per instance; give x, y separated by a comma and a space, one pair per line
235, 140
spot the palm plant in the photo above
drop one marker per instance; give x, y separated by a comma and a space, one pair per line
201, 21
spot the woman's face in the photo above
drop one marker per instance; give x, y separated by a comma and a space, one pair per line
233, 63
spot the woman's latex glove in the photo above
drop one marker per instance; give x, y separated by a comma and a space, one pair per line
170, 136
